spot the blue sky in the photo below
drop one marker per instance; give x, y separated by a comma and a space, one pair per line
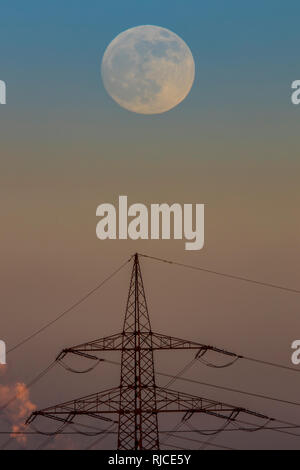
246, 56
53, 48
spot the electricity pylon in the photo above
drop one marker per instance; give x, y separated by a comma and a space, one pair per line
137, 401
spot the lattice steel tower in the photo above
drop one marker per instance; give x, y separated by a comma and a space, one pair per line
138, 400
138, 426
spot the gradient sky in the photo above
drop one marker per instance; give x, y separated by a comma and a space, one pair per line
233, 144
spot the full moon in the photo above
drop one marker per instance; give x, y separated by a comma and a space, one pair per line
148, 69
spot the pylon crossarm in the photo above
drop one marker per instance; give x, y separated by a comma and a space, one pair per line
66, 419
108, 343
172, 401
169, 342
120, 342
106, 402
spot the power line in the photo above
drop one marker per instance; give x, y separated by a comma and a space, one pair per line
194, 430
228, 389
38, 433
220, 387
180, 373
175, 447
217, 273
62, 314
272, 364
266, 363
100, 439
201, 442
237, 429
169, 434
281, 429
250, 359
107, 432
170, 382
